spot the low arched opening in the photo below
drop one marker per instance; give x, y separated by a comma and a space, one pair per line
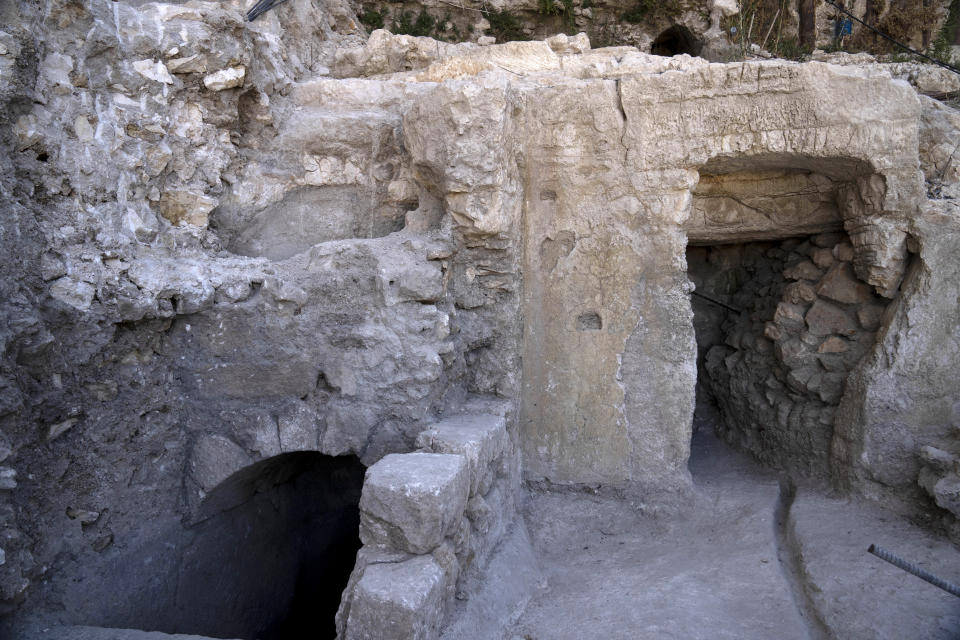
675, 41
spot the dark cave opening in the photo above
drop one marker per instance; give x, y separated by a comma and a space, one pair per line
675, 41
273, 554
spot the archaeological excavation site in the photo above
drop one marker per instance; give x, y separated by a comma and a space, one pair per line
479, 320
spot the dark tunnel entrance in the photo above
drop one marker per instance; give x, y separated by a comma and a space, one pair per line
675, 41
272, 556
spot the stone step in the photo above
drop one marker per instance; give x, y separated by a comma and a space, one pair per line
412, 501
480, 438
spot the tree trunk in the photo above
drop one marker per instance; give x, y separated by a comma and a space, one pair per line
871, 18
808, 23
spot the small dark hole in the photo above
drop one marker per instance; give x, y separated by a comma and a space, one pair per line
589, 322
42, 156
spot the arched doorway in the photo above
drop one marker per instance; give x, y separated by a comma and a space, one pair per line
266, 558
675, 41
276, 550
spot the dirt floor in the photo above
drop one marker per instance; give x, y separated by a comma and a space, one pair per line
749, 561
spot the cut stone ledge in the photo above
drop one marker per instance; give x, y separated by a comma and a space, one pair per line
412, 501
398, 601
479, 438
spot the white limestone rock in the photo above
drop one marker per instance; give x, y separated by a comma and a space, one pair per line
225, 79
412, 501
153, 70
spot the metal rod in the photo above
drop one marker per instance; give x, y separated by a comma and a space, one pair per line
717, 302
262, 7
914, 569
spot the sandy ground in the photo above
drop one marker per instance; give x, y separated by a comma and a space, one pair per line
748, 561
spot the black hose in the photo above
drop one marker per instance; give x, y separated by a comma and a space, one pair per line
262, 7
719, 303
891, 39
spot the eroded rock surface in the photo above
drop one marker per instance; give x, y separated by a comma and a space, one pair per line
225, 242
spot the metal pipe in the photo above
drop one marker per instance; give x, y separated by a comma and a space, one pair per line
262, 7
914, 569
717, 302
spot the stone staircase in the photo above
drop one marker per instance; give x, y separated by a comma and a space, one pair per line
428, 519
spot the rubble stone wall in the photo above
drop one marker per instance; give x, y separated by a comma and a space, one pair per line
778, 366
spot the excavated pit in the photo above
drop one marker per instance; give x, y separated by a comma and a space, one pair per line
269, 558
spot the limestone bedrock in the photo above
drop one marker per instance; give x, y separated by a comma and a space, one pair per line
225, 241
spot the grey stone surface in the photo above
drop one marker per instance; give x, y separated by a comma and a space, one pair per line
481, 439
858, 595
203, 268
412, 501
710, 573
398, 601
99, 633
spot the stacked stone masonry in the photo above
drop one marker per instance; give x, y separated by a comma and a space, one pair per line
428, 518
805, 322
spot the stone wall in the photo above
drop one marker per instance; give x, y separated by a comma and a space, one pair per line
430, 520
779, 366
207, 268
158, 349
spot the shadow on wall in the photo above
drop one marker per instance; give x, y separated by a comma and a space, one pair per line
269, 561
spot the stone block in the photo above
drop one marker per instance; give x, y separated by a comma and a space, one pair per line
833, 344
841, 285
366, 556
398, 601
827, 239
798, 379
843, 252
824, 319
478, 438
870, 316
832, 362
947, 493
789, 316
799, 293
225, 78
822, 257
938, 459
804, 270
793, 353
412, 501
772, 331
832, 387
213, 459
